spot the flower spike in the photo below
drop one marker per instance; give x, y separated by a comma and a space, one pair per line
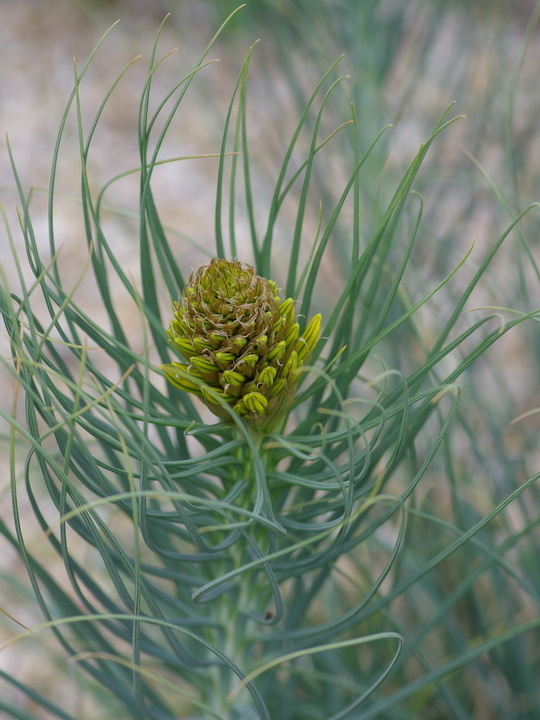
240, 344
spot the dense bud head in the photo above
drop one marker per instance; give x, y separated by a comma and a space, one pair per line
240, 342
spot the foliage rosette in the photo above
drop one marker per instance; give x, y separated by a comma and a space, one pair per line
241, 343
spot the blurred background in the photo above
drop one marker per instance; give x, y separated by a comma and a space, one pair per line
406, 61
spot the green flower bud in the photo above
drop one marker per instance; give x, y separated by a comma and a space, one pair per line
209, 393
238, 341
242, 344
255, 402
306, 344
267, 375
176, 373
278, 387
240, 408
217, 339
278, 351
292, 334
201, 344
232, 378
246, 364
290, 366
259, 345
286, 307
224, 359
207, 369
185, 346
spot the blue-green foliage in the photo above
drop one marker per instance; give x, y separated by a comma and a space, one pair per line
312, 551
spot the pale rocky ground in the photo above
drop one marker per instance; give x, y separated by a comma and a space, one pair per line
38, 39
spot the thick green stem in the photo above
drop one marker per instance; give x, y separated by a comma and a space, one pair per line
235, 629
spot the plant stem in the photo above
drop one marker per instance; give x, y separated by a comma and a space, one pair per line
232, 635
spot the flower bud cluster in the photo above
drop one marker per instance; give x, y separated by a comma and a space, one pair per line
240, 341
